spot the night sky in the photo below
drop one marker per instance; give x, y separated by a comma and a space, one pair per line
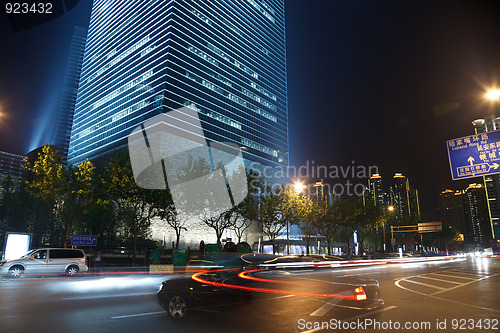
381, 83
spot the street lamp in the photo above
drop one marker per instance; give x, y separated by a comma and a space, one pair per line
493, 94
390, 209
298, 187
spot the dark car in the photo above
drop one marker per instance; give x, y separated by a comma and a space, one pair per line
178, 295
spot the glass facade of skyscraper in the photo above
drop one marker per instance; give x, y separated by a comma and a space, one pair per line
69, 92
225, 59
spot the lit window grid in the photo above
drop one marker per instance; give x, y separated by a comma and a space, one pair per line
249, 119
228, 69
88, 117
105, 118
243, 41
154, 37
272, 71
256, 119
123, 37
88, 93
249, 128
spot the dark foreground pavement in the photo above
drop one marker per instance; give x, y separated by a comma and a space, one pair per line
459, 295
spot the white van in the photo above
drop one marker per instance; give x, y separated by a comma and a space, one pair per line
46, 261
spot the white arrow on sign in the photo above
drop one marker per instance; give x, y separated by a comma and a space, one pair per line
470, 160
494, 166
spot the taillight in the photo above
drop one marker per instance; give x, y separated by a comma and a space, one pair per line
360, 294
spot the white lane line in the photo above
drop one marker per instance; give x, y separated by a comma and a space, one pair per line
105, 296
398, 284
370, 313
321, 311
426, 277
425, 284
354, 318
483, 278
454, 276
474, 274
138, 315
199, 309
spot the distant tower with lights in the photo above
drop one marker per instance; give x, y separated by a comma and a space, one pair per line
396, 193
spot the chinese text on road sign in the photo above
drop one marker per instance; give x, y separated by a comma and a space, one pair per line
475, 155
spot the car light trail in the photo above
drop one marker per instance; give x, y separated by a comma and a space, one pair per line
197, 278
244, 275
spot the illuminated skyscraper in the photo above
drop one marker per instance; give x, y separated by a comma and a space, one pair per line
395, 192
452, 212
378, 191
225, 59
11, 168
69, 91
476, 212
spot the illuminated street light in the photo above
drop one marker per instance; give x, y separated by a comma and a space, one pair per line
493, 94
390, 208
298, 186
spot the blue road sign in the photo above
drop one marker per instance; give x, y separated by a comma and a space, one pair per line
83, 240
474, 155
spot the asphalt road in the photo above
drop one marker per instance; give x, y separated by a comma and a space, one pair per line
459, 295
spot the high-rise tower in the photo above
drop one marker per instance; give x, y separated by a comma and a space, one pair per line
69, 91
225, 59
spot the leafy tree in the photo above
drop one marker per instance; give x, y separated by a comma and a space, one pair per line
248, 209
67, 190
135, 206
276, 211
328, 224
369, 220
346, 213
310, 212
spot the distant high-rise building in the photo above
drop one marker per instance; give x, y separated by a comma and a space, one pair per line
226, 59
395, 192
69, 91
492, 183
378, 190
467, 212
452, 212
476, 212
11, 168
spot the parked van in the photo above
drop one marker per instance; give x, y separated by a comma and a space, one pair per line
46, 261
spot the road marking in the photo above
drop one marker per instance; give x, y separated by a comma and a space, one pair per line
460, 272
321, 311
398, 284
370, 313
105, 296
138, 315
426, 277
198, 309
355, 317
424, 284
464, 284
454, 276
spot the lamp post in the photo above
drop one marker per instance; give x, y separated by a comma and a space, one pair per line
298, 187
390, 209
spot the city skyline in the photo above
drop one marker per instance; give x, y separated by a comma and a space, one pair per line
359, 90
